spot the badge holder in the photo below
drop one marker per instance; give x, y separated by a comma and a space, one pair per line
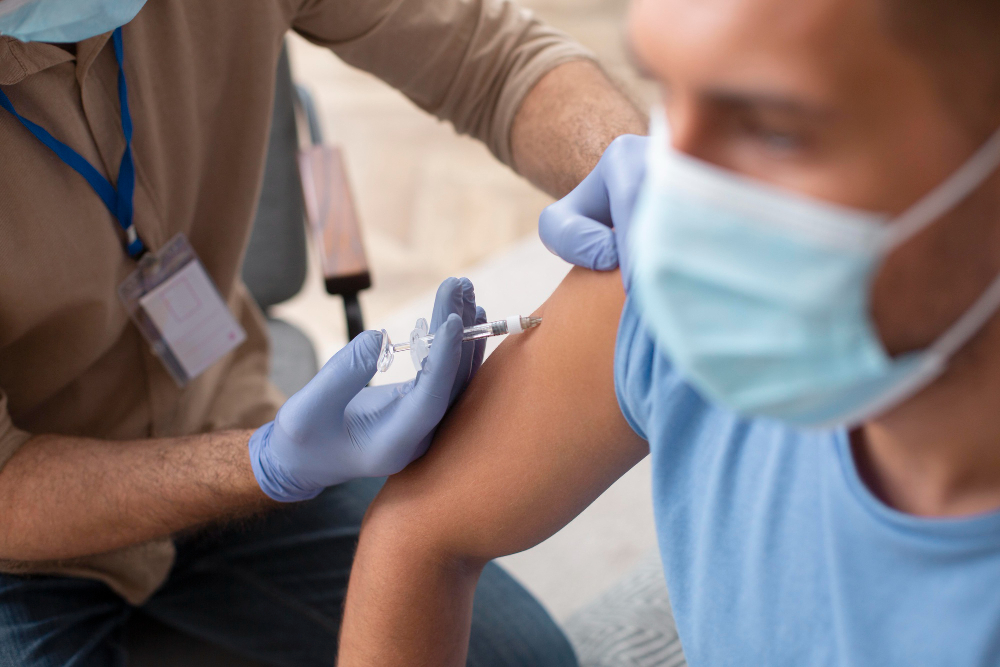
179, 311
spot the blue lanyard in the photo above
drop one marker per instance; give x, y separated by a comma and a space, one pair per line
118, 200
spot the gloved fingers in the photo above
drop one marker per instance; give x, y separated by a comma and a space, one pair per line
340, 379
405, 456
372, 402
468, 302
623, 168
403, 388
480, 349
571, 228
622, 247
624, 185
448, 300
422, 408
589, 198
579, 240
468, 349
624, 161
387, 431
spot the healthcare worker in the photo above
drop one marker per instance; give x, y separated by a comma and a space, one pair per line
807, 346
134, 401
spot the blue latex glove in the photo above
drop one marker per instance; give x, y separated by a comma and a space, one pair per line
589, 226
337, 429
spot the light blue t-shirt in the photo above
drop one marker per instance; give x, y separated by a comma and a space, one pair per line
776, 553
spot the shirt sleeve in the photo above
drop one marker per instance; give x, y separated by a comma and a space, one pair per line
470, 62
11, 437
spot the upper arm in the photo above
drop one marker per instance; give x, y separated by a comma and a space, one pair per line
470, 62
537, 436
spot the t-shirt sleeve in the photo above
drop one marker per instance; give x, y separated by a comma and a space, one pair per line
654, 399
470, 62
11, 437
633, 378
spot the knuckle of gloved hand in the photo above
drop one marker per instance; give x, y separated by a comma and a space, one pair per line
433, 392
615, 154
449, 302
550, 220
431, 385
294, 431
625, 159
448, 287
468, 292
566, 234
365, 349
614, 151
454, 328
390, 458
625, 144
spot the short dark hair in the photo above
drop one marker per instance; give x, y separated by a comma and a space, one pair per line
960, 40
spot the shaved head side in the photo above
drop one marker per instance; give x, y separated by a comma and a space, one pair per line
947, 27
960, 40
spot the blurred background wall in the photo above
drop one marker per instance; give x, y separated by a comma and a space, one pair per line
432, 203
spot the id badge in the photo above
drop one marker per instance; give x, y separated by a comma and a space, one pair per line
176, 306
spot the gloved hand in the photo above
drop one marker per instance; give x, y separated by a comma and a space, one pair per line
589, 226
337, 429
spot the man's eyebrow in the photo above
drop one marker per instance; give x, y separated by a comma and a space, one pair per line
735, 97
751, 100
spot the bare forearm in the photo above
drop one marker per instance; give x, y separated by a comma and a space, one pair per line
566, 122
418, 612
536, 438
64, 497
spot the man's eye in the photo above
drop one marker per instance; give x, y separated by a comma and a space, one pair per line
779, 140
772, 136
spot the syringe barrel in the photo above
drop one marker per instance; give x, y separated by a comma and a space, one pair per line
487, 330
475, 332
480, 331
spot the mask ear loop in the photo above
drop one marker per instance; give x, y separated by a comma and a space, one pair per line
974, 319
935, 204
936, 356
939, 201
947, 195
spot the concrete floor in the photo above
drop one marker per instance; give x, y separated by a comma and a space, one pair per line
434, 204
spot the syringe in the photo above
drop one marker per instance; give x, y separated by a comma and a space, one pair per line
420, 340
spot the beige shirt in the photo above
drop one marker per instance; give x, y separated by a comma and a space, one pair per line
201, 79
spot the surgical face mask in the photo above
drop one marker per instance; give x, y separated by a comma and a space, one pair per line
64, 21
761, 297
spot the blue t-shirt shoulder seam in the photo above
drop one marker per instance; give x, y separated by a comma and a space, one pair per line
627, 324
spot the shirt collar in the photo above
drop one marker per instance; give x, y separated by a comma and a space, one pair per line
86, 54
19, 60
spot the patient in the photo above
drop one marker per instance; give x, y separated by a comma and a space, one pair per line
819, 385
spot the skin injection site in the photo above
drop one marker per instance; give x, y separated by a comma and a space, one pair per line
499, 333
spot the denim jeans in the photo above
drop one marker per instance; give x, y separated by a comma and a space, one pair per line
271, 589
